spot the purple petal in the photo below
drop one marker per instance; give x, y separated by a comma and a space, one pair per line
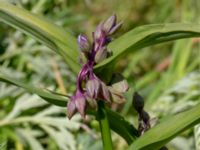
109, 23
101, 55
92, 88
115, 28
71, 109
99, 32
105, 92
80, 105
83, 43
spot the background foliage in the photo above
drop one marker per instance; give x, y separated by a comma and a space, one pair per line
167, 75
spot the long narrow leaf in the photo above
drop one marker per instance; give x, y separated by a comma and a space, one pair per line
148, 35
49, 97
42, 30
159, 135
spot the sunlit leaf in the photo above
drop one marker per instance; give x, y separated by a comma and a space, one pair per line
148, 35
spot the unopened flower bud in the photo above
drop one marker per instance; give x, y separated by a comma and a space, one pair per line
138, 102
93, 88
77, 102
98, 34
105, 94
71, 108
80, 103
109, 23
83, 43
101, 55
119, 83
145, 117
116, 96
115, 28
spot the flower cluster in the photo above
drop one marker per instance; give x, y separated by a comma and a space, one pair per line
89, 87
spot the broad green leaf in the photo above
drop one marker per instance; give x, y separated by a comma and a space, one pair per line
148, 35
42, 30
49, 97
165, 131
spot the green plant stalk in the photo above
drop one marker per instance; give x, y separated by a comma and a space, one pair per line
104, 126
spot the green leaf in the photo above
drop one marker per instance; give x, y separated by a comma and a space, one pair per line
148, 35
3, 141
42, 30
165, 131
49, 97
122, 127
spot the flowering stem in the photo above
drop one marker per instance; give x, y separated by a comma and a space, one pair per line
104, 126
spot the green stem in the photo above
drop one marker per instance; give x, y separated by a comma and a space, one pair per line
104, 126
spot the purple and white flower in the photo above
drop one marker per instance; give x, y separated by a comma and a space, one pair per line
89, 87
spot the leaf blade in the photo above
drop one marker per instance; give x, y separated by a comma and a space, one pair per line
159, 135
49, 97
148, 35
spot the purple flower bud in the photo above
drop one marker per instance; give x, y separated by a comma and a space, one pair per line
71, 108
115, 28
101, 55
93, 87
83, 43
80, 103
77, 102
105, 94
98, 34
109, 23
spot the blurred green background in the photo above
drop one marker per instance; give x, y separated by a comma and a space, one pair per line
166, 75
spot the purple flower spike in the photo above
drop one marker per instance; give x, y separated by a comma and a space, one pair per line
89, 87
